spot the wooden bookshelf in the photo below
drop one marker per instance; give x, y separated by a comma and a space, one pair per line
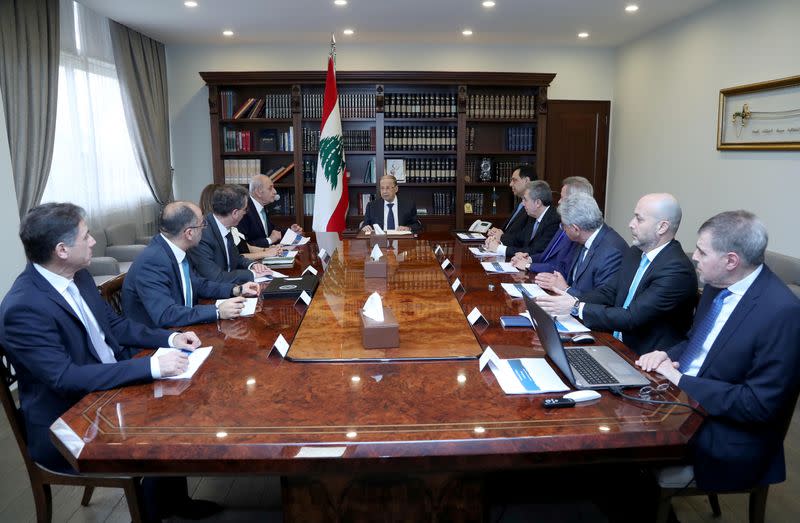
434, 121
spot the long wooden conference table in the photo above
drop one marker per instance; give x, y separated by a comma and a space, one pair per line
332, 413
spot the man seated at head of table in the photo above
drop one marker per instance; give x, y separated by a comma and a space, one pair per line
390, 212
216, 257
519, 219
65, 341
537, 199
741, 362
257, 228
650, 301
560, 252
600, 251
162, 289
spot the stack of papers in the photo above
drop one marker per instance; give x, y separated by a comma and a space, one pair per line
523, 375
499, 267
518, 290
479, 252
286, 258
196, 358
471, 236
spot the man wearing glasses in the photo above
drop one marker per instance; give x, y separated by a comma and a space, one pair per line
162, 288
741, 362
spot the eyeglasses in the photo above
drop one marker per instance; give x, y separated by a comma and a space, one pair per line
648, 390
202, 225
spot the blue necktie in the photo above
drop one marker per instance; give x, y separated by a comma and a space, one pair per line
390, 218
634, 284
535, 228
695, 346
187, 283
578, 262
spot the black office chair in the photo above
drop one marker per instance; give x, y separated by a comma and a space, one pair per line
757, 504
41, 477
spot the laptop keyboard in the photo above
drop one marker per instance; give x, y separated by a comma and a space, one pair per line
588, 367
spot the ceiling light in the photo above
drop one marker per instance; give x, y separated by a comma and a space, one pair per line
583, 35
467, 32
348, 32
488, 3
227, 32
631, 8
190, 3
340, 2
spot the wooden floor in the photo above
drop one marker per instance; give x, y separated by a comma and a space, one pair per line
257, 499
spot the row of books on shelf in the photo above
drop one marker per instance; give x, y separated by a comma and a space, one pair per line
284, 204
501, 106
499, 171
419, 105
519, 138
430, 170
309, 170
475, 199
308, 204
443, 203
351, 105
420, 138
270, 106
242, 171
352, 139
269, 140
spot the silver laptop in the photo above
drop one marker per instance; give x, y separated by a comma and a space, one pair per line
589, 367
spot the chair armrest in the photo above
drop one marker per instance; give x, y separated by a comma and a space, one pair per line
125, 253
144, 240
103, 266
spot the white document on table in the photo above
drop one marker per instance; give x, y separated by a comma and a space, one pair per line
470, 236
566, 323
196, 358
249, 306
478, 253
522, 375
518, 290
268, 277
499, 267
292, 238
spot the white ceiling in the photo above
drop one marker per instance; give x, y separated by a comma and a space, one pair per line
543, 22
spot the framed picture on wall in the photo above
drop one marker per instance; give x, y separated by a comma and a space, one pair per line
396, 168
762, 116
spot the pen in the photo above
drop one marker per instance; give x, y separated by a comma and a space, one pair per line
185, 351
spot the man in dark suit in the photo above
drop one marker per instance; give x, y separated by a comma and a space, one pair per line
537, 201
65, 341
256, 226
391, 212
600, 251
741, 362
519, 219
216, 257
161, 289
650, 301
559, 254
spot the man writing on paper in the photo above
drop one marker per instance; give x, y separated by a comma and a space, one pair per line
741, 362
162, 289
65, 341
650, 301
256, 226
390, 212
558, 255
519, 219
216, 257
537, 199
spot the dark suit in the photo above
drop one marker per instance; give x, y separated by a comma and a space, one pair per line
601, 263
406, 214
211, 262
253, 229
515, 224
661, 311
522, 241
54, 358
558, 255
152, 293
747, 384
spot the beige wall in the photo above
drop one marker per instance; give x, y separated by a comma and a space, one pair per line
581, 74
665, 114
13, 259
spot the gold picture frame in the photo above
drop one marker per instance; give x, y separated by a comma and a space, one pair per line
761, 116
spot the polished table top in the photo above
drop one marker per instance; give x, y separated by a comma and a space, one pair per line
249, 410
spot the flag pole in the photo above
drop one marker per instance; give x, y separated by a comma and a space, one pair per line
333, 48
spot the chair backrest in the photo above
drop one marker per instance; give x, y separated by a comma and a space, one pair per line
13, 413
122, 234
111, 291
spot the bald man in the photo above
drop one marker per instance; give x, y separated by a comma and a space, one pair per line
650, 302
162, 288
256, 226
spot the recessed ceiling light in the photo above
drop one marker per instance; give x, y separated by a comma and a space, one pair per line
190, 3
631, 8
583, 35
488, 3
467, 32
340, 2
348, 32
227, 32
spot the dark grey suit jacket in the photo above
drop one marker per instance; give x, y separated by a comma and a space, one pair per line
406, 214
210, 261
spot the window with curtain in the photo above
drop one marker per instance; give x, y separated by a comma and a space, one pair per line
93, 160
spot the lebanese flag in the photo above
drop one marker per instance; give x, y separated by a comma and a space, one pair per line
330, 197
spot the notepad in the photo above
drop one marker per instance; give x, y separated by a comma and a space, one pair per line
196, 358
499, 267
517, 290
249, 306
478, 252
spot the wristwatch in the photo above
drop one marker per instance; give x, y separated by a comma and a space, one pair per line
574, 311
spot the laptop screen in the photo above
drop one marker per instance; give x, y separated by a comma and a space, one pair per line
548, 336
